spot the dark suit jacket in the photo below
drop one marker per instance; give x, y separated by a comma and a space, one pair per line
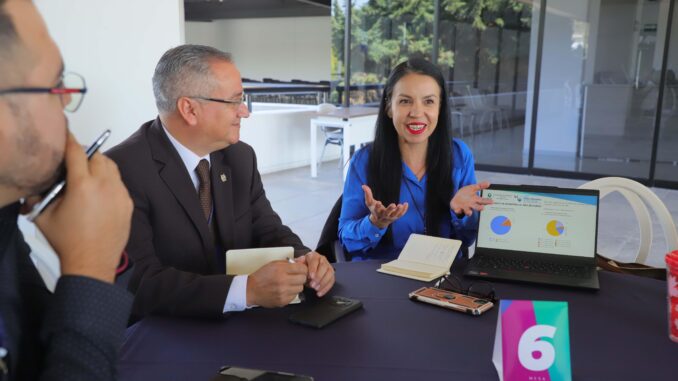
73, 334
174, 254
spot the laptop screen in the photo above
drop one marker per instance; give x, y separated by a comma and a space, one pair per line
561, 222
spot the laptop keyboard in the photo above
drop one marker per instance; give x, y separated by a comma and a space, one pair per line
531, 266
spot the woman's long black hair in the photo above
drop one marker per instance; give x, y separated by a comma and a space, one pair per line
385, 169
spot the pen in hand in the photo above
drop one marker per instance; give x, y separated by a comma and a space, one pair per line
301, 297
59, 186
89, 226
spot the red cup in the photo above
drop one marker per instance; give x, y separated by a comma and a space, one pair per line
672, 284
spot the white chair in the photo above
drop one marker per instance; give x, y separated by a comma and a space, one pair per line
333, 135
639, 197
488, 111
461, 112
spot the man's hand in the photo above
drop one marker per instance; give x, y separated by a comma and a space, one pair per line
381, 216
466, 200
320, 272
89, 225
276, 283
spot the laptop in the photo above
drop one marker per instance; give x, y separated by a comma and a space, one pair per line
538, 234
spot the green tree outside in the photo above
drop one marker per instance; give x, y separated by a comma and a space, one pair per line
386, 32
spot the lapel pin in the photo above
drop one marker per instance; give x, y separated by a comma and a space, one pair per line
223, 178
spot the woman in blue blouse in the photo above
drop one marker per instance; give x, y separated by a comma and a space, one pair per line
411, 179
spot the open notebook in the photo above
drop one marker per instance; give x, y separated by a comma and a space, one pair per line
247, 261
423, 258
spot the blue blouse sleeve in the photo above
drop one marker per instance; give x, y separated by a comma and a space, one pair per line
464, 229
356, 232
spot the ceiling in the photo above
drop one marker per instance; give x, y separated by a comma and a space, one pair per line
208, 10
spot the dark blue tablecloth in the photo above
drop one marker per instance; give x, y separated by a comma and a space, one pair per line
617, 333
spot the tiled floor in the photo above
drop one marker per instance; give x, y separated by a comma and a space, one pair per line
304, 203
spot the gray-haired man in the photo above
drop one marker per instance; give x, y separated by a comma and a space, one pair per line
197, 193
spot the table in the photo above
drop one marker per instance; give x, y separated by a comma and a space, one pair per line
358, 127
617, 333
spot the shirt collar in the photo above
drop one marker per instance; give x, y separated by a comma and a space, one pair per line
409, 175
189, 157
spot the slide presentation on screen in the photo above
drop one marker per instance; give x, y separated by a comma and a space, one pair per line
539, 222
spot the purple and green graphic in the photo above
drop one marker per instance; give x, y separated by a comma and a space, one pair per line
533, 341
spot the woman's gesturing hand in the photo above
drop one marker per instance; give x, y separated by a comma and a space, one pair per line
382, 216
466, 200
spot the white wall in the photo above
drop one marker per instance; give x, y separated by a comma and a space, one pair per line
280, 48
280, 135
115, 45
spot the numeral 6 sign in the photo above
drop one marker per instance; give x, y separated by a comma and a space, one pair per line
530, 345
532, 342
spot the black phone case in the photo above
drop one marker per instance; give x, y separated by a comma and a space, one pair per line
326, 311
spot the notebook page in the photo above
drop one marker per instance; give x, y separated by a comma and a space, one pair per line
433, 251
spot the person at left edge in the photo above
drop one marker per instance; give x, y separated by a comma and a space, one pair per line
197, 193
75, 332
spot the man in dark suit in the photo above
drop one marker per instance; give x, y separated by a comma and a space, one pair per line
197, 193
75, 332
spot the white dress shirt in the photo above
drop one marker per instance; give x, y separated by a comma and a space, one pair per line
236, 300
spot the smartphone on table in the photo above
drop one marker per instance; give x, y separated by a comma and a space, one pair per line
232, 373
325, 311
452, 300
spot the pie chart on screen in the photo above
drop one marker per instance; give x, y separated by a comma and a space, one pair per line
500, 225
555, 228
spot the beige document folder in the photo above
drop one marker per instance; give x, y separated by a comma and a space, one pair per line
247, 261
423, 258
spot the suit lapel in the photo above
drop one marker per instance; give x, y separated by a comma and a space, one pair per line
175, 175
222, 197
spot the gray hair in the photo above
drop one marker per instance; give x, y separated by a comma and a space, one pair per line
185, 71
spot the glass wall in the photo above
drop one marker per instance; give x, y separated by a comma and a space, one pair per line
337, 61
667, 151
483, 50
384, 33
485, 54
600, 72
599, 76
